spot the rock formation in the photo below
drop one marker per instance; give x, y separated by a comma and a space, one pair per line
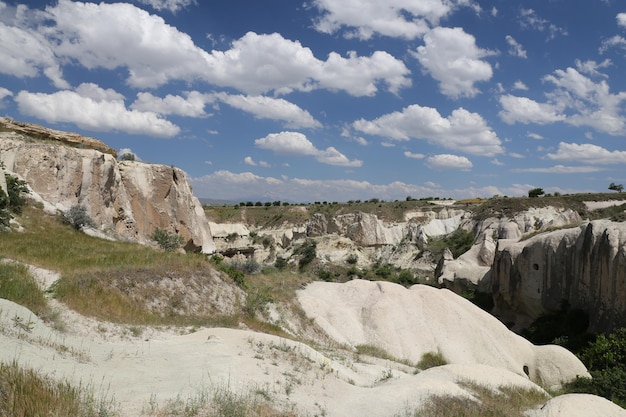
127, 200
583, 266
408, 323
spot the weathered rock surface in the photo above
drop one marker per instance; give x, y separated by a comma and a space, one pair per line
584, 266
578, 405
38, 132
408, 323
127, 200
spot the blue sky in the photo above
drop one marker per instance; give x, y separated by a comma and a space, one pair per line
333, 100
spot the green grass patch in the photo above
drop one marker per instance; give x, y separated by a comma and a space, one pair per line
19, 286
431, 360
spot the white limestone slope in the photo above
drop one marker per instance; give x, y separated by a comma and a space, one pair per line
410, 322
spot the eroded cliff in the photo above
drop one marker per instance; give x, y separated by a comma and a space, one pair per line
127, 200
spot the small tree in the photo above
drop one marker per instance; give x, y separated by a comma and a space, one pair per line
536, 192
77, 217
616, 187
166, 240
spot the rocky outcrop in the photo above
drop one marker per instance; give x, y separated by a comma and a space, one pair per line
473, 268
583, 266
407, 323
34, 131
127, 200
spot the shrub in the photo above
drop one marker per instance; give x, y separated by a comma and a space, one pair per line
307, 252
13, 201
77, 217
431, 360
281, 263
166, 240
352, 259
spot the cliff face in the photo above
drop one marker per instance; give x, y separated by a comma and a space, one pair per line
127, 200
585, 266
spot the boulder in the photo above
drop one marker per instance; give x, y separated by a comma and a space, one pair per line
578, 405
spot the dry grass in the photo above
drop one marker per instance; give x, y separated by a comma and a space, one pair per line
506, 401
25, 392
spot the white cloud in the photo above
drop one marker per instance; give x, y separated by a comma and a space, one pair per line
171, 5
462, 131
121, 35
4, 93
592, 103
529, 19
249, 161
192, 105
406, 19
93, 108
587, 153
447, 161
451, 57
613, 42
297, 144
497, 162
576, 100
271, 108
515, 48
621, 19
559, 169
414, 155
257, 64
535, 136
524, 110
592, 67
519, 85
26, 53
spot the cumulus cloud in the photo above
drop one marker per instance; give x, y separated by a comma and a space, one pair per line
263, 107
621, 19
127, 152
26, 53
123, 36
93, 108
171, 5
249, 161
297, 144
447, 161
257, 64
406, 19
587, 153
524, 110
192, 105
462, 131
451, 57
515, 48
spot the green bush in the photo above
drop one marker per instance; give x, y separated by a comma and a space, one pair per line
166, 240
14, 200
307, 252
77, 217
606, 360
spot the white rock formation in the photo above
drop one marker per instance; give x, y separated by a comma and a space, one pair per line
578, 405
127, 200
584, 266
408, 323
